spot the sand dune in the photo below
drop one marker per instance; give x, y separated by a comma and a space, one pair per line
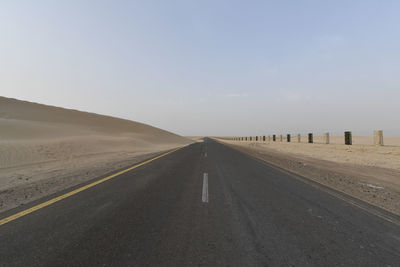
49, 121
45, 149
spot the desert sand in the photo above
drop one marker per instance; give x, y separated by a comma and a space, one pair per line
362, 170
196, 138
362, 152
45, 149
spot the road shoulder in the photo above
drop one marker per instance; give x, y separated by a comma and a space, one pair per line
332, 175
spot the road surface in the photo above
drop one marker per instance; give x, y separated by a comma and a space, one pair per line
203, 205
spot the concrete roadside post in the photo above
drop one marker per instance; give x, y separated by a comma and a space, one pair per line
269, 138
310, 138
326, 138
298, 138
274, 137
288, 138
348, 139
378, 138
280, 138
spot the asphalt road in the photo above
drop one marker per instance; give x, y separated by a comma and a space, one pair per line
204, 205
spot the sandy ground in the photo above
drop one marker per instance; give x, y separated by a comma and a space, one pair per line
196, 138
46, 149
357, 140
362, 152
370, 173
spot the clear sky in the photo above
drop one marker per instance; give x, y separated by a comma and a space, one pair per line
210, 67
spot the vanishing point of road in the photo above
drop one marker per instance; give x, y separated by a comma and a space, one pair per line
203, 205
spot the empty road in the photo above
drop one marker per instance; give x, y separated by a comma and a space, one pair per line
203, 205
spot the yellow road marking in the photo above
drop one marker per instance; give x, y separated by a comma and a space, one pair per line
76, 191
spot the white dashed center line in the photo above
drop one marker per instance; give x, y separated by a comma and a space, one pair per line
204, 197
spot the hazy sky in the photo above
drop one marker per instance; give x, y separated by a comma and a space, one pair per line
210, 67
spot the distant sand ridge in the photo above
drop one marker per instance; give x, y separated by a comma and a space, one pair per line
45, 149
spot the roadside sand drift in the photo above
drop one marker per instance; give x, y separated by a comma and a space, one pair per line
44, 149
